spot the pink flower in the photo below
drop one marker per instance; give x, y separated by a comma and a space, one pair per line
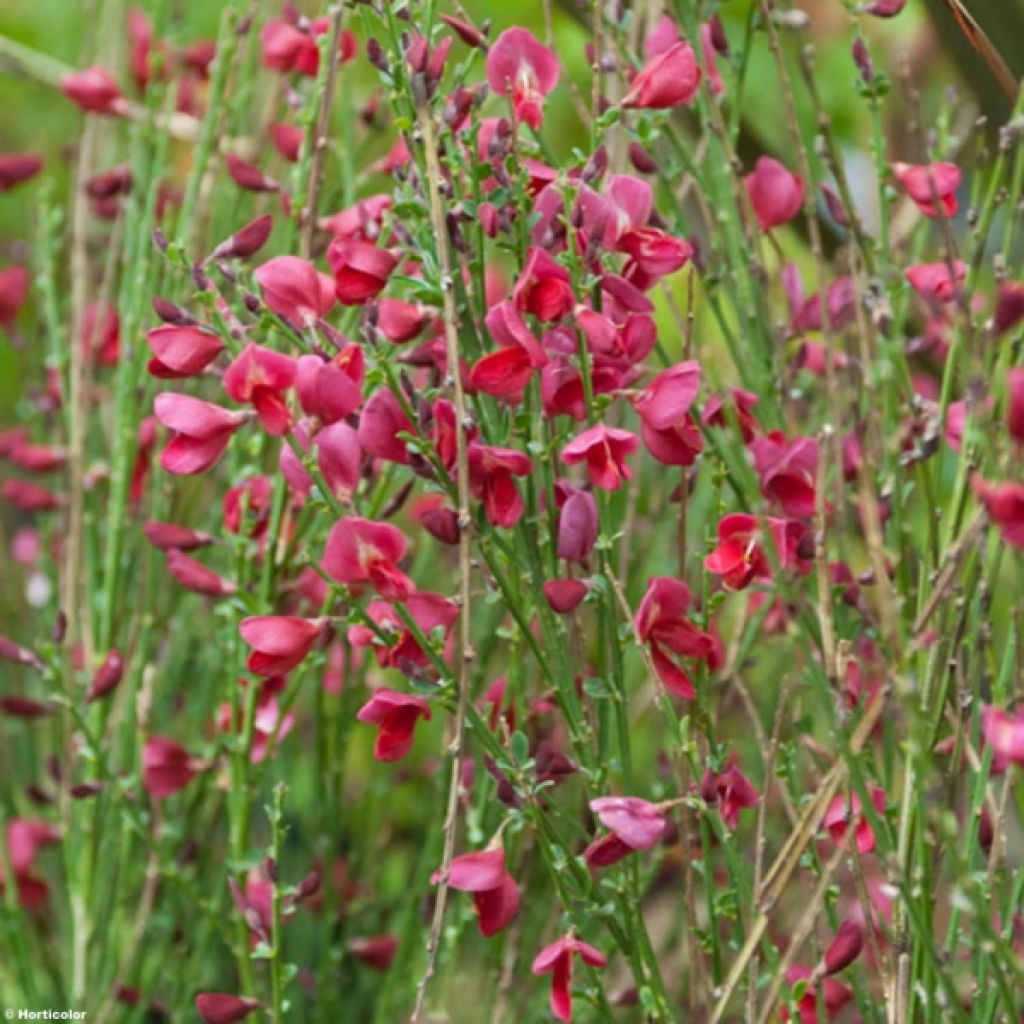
331, 389
669, 431
934, 282
521, 67
840, 814
249, 177
260, 376
633, 824
604, 450
200, 432
928, 183
495, 893
380, 423
94, 90
360, 551
167, 767
295, 289
278, 642
1015, 402
776, 194
491, 472
653, 254
395, 714
287, 140
246, 241
662, 623
401, 321
556, 960
544, 287
1004, 503
220, 1008
165, 536
360, 269
886, 8
1004, 733
668, 80
181, 351
196, 577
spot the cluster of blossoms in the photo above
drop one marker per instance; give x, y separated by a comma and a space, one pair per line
467, 375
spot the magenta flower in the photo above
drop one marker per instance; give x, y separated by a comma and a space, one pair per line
167, 767
360, 269
927, 184
260, 376
221, 1008
491, 472
632, 823
278, 642
294, 289
1004, 733
181, 351
842, 814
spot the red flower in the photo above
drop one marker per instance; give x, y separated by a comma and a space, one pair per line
16, 168
490, 476
577, 525
196, 577
788, 471
260, 376
361, 551
107, 677
94, 90
565, 595
934, 282
1009, 307
837, 995
521, 67
401, 321
220, 1008
167, 767
201, 431
181, 351
840, 814
653, 254
556, 960
508, 370
287, 140
287, 47
29, 497
1004, 733
730, 790
739, 558
776, 194
669, 430
661, 623
544, 287
633, 824
604, 449
717, 413
376, 951
360, 269
1004, 503
395, 714
928, 183
278, 642
495, 893
14, 282
669, 80
429, 611
249, 177
246, 241
844, 948
1015, 402
294, 289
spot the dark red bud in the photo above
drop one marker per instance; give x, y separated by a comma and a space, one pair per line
107, 677
844, 948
